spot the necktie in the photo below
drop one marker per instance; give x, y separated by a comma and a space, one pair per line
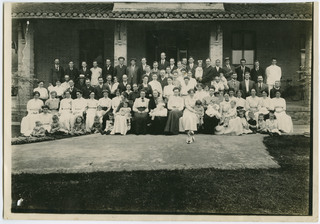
142, 99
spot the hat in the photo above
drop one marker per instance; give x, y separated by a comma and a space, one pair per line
121, 58
105, 91
81, 76
133, 59
227, 58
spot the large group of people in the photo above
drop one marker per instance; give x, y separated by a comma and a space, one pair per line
167, 98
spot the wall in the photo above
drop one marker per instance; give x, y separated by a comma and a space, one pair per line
60, 39
280, 39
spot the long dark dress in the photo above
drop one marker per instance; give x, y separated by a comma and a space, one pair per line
140, 119
159, 123
209, 124
172, 126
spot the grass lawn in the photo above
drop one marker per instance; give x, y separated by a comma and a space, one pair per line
283, 191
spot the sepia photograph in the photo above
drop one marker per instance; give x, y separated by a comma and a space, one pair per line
161, 109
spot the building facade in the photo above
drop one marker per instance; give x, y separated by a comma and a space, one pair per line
79, 32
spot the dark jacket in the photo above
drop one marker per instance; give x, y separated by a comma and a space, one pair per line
207, 76
87, 73
255, 73
119, 72
260, 89
163, 66
240, 72
86, 91
246, 93
73, 74
107, 71
56, 74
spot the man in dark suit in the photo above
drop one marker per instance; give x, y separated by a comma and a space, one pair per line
163, 64
85, 71
72, 71
100, 88
143, 66
247, 85
56, 72
133, 72
234, 83
123, 84
228, 69
162, 79
242, 69
107, 70
120, 69
148, 73
217, 69
72, 89
191, 66
87, 89
172, 65
257, 71
207, 76
260, 86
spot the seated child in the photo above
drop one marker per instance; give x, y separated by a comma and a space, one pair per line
261, 126
213, 110
200, 113
56, 126
252, 122
245, 124
231, 114
79, 126
272, 125
126, 111
159, 111
97, 126
38, 130
109, 125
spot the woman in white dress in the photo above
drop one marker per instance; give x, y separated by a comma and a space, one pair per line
188, 122
199, 71
200, 93
253, 103
65, 111
33, 107
284, 121
92, 105
240, 101
265, 105
116, 100
168, 89
122, 117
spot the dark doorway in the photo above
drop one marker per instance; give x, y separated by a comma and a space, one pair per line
91, 46
174, 43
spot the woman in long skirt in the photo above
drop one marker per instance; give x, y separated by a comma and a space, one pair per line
92, 105
65, 111
284, 121
158, 114
175, 107
189, 119
122, 117
140, 109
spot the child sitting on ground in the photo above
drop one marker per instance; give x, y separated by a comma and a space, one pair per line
97, 126
245, 124
56, 126
272, 125
109, 125
252, 122
261, 126
79, 126
232, 113
38, 130
159, 111
200, 113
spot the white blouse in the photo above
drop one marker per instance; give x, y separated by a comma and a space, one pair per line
33, 106
175, 102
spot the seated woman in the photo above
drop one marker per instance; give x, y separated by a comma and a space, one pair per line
199, 71
158, 114
284, 120
146, 87
200, 93
265, 105
244, 122
211, 118
272, 125
189, 120
116, 100
241, 103
140, 109
175, 107
65, 111
168, 89
45, 118
53, 103
104, 108
253, 102
122, 117
92, 106
33, 107
79, 127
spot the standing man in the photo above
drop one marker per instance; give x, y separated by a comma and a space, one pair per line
84, 71
228, 69
163, 80
257, 71
148, 73
133, 72
234, 83
155, 68
87, 89
242, 69
100, 88
261, 86
96, 73
107, 70
143, 65
172, 65
56, 72
191, 66
120, 69
273, 73
163, 63
184, 62
72, 71
217, 69
207, 76
247, 85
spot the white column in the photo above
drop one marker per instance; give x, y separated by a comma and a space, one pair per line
216, 43
120, 41
308, 62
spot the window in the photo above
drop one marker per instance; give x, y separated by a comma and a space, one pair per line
243, 46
